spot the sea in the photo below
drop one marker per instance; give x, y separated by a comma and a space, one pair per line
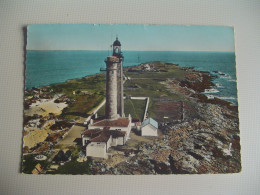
49, 67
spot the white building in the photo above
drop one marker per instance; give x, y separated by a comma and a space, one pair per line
97, 150
102, 134
149, 127
115, 129
97, 142
122, 124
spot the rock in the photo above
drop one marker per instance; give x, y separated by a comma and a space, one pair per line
162, 168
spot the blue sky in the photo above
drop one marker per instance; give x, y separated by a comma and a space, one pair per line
132, 37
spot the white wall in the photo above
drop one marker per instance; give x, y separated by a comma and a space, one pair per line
114, 142
84, 139
109, 142
120, 141
138, 98
126, 129
96, 149
149, 130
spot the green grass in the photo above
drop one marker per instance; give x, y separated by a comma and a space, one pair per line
148, 88
88, 92
72, 167
101, 111
83, 105
135, 108
29, 163
93, 84
173, 72
150, 84
75, 168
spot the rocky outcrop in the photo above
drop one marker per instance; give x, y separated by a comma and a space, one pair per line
198, 81
206, 140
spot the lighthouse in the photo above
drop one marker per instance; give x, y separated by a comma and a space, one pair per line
111, 87
120, 90
114, 83
115, 128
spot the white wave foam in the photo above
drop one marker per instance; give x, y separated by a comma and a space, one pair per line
227, 98
219, 85
212, 90
228, 77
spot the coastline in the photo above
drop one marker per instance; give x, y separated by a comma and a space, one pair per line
199, 89
204, 137
168, 86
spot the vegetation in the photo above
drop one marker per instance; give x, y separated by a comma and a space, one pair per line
101, 111
135, 108
86, 93
150, 84
165, 70
152, 88
29, 163
75, 168
83, 86
82, 106
75, 151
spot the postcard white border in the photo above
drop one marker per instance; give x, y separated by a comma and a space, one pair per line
15, 15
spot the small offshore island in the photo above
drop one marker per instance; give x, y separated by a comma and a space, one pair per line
196, 134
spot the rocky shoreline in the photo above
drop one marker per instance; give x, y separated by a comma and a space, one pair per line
206, 141
201, 135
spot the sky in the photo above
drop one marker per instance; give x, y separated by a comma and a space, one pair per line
132, 37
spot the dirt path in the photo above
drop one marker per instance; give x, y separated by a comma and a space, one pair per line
135, 140
72, 137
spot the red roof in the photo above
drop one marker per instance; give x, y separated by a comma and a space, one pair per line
91, 132
121, 122
105, 135
116, 133
106, 128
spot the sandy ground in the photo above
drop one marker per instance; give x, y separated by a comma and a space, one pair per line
132, 143
135, 140
45, 106
34, 137
117, 158
73, 134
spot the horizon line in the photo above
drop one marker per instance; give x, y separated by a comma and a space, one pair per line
125, 50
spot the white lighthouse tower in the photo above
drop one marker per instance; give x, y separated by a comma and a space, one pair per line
111, 87
120, 90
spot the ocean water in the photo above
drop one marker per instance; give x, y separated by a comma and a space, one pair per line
48, 67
